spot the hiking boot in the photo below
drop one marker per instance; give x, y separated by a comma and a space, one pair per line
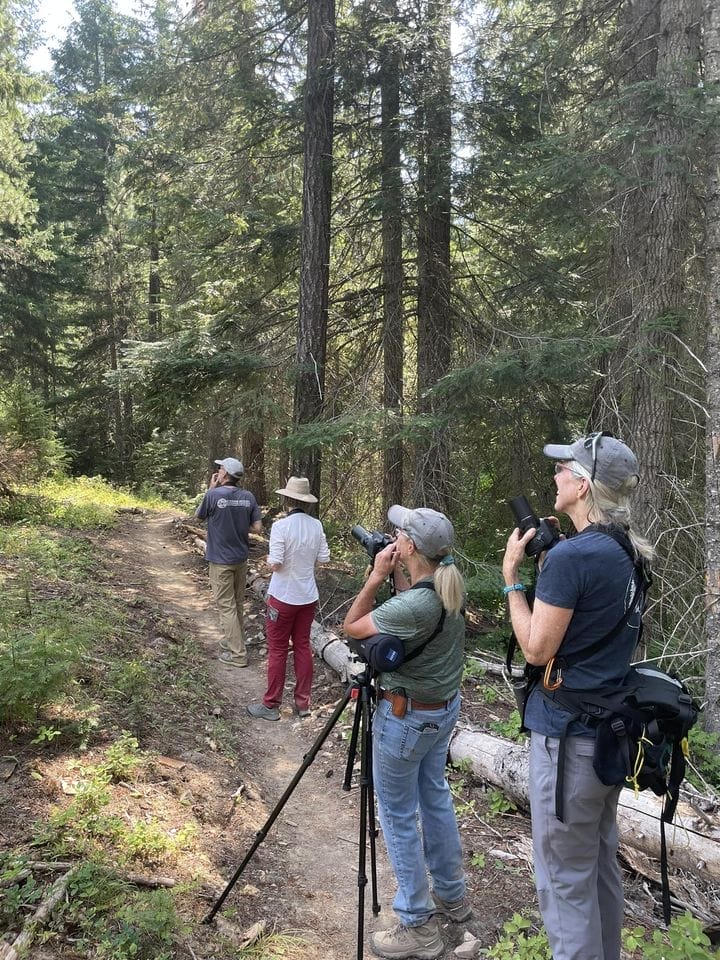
261, 712
224, 645
456, 910
302, 712
399, 942
233, 659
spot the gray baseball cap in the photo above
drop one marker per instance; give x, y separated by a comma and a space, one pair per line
232, 466
431, 532
607, 459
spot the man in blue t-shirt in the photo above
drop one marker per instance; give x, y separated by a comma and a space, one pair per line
232, 514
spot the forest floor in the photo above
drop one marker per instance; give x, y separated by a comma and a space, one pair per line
214, 769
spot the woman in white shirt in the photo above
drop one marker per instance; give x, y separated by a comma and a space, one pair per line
297, 544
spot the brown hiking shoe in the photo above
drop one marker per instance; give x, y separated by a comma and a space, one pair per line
401, 942
456, 910
234, 659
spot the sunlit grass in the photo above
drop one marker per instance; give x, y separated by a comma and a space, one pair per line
84, 503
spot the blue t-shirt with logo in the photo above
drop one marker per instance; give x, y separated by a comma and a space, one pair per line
592, 575
229, 512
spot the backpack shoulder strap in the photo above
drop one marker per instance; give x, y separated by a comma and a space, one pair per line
620, 536
426, 585
643, 580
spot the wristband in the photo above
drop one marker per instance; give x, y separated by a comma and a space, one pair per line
515, 586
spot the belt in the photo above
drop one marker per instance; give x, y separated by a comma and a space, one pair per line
414, 704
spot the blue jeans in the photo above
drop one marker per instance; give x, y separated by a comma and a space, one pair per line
415, 806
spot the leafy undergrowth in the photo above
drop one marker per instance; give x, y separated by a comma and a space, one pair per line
87, 672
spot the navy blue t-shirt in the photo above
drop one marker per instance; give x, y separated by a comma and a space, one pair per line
592, 575
229, 512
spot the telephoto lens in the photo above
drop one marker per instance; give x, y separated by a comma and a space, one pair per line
372, 540
524, 514
546, 533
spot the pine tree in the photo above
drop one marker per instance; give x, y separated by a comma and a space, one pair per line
712, 273
315, 231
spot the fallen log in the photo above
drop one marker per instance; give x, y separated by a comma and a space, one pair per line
198, 534
195, 530
505, 765
495, 668
53, 866
13, 951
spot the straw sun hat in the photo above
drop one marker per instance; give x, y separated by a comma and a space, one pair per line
298, 488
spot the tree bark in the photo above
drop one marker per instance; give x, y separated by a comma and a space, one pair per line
646, 308
154, 286
434, 334
253, 445
664, 292
711, 715
392, 265
315, 232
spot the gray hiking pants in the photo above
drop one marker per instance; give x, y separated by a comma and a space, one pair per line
579, 884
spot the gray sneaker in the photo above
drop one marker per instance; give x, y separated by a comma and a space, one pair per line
399, 942
261, 712
456, 910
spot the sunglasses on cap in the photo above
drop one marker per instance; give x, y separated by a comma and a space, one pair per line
592, 442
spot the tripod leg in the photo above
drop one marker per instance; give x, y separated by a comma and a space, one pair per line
352, 746
372, 824
364, 712
263, 831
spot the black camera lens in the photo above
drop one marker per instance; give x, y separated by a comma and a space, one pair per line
547, 534
372, 540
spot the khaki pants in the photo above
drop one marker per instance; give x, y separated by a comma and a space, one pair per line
228, 587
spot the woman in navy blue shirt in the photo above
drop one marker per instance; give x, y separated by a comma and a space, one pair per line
586, 587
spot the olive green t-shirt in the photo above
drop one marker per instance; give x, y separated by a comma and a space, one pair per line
435, 674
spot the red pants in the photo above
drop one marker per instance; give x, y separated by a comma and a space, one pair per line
286, 621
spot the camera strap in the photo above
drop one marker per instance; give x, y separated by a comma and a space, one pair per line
426, 585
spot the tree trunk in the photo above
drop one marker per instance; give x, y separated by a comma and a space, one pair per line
117, 329
283, 460
154, 290
392, 266
664, 292
712, 274
253, 444
636, 63
315, 232
656, 70
434, 333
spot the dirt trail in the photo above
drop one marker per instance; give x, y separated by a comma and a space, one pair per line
305, 871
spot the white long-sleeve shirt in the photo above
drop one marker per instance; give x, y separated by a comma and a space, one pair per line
297, 542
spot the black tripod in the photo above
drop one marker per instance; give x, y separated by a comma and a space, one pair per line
362, 690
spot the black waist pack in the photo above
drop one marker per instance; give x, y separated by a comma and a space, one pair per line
641, 727
641, 730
